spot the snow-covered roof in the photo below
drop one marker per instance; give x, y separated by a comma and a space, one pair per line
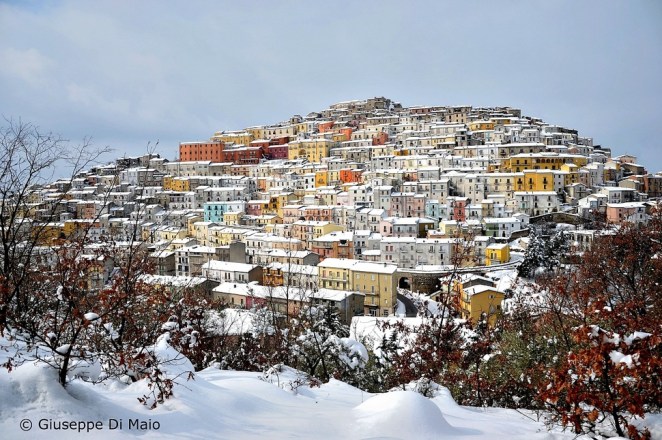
282, 292
626, 205
498, 246
475, 290
358, 265
174, 281
228, 266
335, 236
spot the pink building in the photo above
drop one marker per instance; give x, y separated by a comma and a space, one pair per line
631, 212
318, 213
458, 206
292, 213
257, 207
407, 204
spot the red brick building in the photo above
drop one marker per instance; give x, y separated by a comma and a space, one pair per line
217, 152
195, 151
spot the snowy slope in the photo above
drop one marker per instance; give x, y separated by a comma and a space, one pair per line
220, 404
238, 405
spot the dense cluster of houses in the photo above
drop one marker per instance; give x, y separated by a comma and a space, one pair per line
348, 204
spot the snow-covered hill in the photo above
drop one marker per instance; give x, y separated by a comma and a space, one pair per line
241, 405
221, 404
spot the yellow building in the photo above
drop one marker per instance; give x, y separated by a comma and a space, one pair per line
383, 150
334, 273
256, 132
479, 299
538, 180
447, 228
218, 236
147, 232
279, 131
323, 229
334, 177
502, 120
200, 231
235, 137
178, 184
272, 275
71, 227
481, 125
540, 161
48, 233
272, 206
222, 236
309, 230
170, 233
306, 168
571, 173
306, 126
281, 200
314, 150
232, 218
497, 254
321, 178
504, 183
377, 281
269, 220
339, 137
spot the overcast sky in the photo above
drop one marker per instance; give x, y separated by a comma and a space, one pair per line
127, 73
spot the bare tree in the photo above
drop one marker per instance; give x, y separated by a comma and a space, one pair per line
463, 254
29, 159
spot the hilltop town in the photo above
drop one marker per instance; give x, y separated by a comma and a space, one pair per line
351, 203
409, 252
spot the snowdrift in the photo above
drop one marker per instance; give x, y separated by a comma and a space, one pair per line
220, 404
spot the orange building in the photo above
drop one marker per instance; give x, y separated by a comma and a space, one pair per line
194, 151
216, 152
323, 127
346, 133
380, 138
350, 176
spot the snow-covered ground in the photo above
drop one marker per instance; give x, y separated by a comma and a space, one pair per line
219, 404
241, 405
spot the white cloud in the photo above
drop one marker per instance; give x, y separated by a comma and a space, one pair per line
176, 71
29, 66
91, 99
